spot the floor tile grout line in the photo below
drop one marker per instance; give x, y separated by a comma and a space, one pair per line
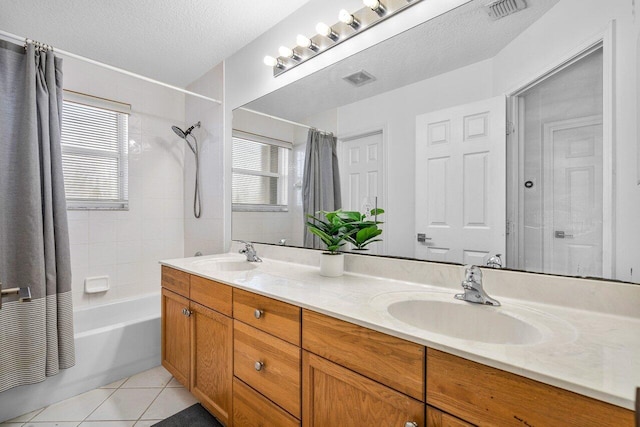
147, 408
96, 408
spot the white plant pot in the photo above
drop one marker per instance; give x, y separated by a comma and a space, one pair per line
331, 265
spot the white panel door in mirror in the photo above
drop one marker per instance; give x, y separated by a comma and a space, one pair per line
460, 182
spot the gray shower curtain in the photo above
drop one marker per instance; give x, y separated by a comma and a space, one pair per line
36, 337
321, 180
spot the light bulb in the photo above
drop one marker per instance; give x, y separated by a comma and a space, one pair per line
346, 17
303, 41
270, 61
376, 6
325, 30
285, 51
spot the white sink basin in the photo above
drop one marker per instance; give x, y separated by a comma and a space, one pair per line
225, 264
439, 313
471, 322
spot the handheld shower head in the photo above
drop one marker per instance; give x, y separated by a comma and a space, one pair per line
183, 134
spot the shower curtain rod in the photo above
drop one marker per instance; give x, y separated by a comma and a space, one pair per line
282, 120
112, 68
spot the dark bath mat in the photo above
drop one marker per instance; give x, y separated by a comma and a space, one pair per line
193, 416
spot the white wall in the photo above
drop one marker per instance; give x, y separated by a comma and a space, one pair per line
126, 245
395, 113
205, 234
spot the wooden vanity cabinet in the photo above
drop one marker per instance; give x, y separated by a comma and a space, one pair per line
488, 396
176, 348
266, 360
197, 338
356, 376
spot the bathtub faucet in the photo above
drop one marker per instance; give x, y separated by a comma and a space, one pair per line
250, 252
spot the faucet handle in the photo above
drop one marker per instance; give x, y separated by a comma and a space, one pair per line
472, 274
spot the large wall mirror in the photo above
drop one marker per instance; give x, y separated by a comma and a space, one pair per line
478, 137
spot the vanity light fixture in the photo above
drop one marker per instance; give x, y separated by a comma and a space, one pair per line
289, 53
325, 30
347, 18
306, 42
376, 6
329, 36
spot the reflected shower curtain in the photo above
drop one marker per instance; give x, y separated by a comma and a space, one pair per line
36, 337
321, 180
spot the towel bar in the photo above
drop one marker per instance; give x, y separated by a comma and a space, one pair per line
24, 293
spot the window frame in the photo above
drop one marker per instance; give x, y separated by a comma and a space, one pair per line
282, 178
123, 112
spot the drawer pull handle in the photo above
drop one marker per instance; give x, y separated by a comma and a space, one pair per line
258, 365
258, 313
411, 424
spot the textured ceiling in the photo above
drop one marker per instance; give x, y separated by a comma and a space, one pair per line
461, 37
175, 41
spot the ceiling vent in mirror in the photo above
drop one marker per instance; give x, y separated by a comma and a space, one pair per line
359, 78
500, 8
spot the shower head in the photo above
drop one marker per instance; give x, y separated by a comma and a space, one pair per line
183, 134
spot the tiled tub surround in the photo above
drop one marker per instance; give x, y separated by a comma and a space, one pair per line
591, 328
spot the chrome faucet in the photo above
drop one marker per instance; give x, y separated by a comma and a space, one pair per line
473, 290
250, 252
495, 261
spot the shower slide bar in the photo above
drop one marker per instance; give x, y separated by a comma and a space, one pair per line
109, 67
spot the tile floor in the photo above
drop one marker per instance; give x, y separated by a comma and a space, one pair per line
141, 401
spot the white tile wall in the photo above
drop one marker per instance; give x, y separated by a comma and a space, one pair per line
126, 245
205, 234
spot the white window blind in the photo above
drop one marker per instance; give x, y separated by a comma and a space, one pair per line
259, 173
94, 153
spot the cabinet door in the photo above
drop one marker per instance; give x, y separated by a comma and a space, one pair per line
175, 336
336, 396
211, 360
437, 418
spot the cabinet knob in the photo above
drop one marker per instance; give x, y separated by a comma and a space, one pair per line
258, 313
411, 424
258, 365
186, 312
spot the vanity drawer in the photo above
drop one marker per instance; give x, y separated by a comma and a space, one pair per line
392, 361
251, 409
269, 315
269, 365
214, 295
488, 396
175, 280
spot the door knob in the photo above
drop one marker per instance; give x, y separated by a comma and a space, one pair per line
562, 235
422, 238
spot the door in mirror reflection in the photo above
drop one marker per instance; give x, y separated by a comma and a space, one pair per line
559, 138
460, 182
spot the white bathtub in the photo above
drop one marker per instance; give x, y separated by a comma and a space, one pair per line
113, 341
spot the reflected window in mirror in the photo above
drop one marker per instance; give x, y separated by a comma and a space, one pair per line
259, 175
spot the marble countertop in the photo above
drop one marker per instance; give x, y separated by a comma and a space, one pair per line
590, 353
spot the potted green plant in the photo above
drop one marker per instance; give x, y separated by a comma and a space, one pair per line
331, 228
365, 226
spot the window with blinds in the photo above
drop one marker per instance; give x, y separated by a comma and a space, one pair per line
94, 154
259, 173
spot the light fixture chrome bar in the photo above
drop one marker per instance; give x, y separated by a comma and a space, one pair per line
333, 35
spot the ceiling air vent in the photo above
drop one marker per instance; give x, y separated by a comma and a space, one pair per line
359, 78
501, 8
